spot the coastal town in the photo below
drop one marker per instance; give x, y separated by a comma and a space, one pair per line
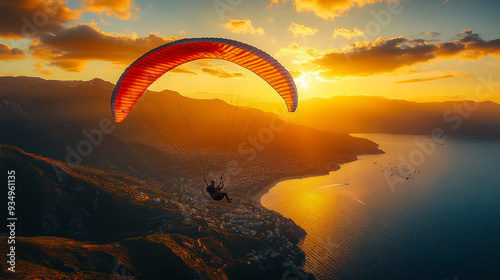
281, 235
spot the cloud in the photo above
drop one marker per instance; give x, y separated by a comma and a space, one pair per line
433, 34
301, 30
34, 18
348, 34
71, 48
475, 47
103, 22
121, 9
327, 9
301, 55
427, 79
39, 68
383, 55
389, 55
30, 18
8, 53
221, 73
242, 26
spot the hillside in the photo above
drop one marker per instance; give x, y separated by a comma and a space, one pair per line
96, 224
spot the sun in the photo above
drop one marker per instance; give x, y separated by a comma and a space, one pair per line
304, 84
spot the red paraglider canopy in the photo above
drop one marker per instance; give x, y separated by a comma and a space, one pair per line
152, 65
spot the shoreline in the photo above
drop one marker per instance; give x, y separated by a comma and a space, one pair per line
273, 182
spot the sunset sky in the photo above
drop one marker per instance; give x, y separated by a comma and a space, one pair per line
421, 50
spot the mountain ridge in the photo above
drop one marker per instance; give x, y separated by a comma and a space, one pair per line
361, 114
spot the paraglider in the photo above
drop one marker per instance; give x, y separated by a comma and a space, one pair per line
151, 66
215, 191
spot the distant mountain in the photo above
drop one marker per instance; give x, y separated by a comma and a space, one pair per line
361, 114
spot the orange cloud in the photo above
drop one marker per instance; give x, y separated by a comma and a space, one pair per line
242, 26
348, 34
221, 73
301, 55
30, 18
74, 46
8, 53
121, 9
388, 55
327, 9
301, 30
39, 68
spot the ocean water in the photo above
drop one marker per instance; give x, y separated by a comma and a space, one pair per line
420, 211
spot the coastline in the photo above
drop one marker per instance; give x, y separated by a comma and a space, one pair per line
330, 167
257, 198
334, 167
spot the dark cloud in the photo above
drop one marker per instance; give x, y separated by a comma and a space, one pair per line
476, 47
388, 55
374, 58
71, 48
295, 74
30, 18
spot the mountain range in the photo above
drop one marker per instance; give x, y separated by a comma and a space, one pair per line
99, 199
363, 114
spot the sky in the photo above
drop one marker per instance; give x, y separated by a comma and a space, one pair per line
420, 50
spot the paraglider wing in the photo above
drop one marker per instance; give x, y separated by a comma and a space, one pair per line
152, 65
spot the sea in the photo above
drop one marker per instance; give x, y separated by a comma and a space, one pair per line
425, 209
